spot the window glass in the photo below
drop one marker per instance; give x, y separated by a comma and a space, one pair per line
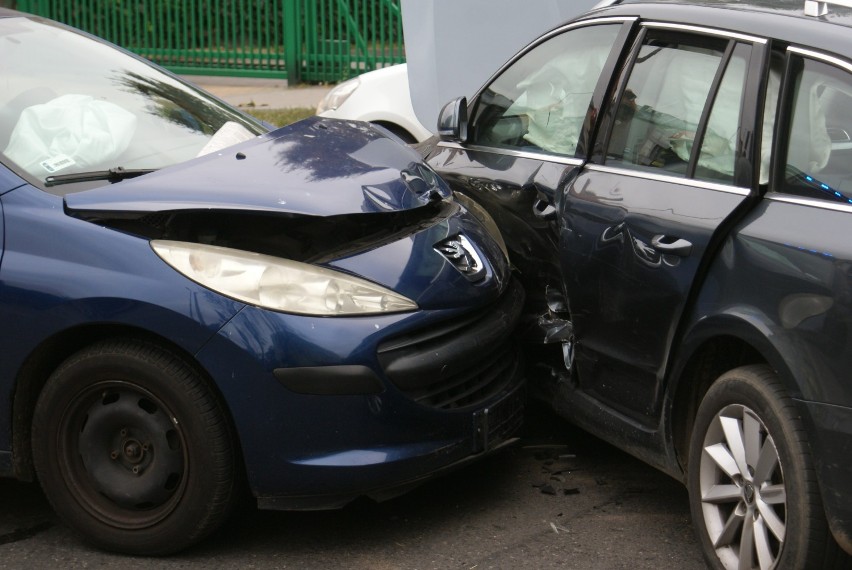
819, 142
717, 157
72, 104
773, 92
540, 102
662, 104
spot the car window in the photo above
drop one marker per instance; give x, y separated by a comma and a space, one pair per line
540, 102
716, 158
661, 107
818, 161
70, 103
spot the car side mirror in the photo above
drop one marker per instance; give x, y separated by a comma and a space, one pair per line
452, 122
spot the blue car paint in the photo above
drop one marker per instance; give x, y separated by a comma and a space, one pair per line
61, 272
320, 167
9, 181
305, 433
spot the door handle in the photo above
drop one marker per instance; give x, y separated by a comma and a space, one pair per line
671, 245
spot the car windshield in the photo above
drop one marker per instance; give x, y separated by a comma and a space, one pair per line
72, 104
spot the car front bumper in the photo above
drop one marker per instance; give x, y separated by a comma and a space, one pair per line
330, 409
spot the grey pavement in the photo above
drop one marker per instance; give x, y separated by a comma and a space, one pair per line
260, 93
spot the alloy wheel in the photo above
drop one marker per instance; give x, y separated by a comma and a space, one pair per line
743, 495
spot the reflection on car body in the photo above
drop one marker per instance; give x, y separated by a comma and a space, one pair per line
690, 223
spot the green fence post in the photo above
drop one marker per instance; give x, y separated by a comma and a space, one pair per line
292, 43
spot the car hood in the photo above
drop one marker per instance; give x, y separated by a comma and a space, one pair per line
317, 167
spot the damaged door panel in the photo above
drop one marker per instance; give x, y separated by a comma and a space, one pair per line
630, 293
637, 229
523, 195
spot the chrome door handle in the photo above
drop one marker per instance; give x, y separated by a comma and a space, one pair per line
671, 245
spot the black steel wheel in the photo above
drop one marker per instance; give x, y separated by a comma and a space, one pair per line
133, 450
752, 485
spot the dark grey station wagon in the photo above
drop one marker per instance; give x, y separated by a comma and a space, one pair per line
674, 184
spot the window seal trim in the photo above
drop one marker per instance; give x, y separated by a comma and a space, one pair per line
706, 31
709, 105
541, 39
577, 24
812, 202
568, 160
717, 187
824, 57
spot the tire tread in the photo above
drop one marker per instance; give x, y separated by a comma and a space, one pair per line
213, 419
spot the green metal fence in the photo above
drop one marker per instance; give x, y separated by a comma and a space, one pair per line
301, 40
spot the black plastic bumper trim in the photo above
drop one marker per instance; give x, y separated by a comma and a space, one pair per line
344, 380
418, 362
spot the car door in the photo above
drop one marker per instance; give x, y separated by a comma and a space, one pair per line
672, 165
528, 133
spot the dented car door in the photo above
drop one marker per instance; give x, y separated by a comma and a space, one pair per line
639, 220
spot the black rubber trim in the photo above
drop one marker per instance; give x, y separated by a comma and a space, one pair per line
344, 380
421, 360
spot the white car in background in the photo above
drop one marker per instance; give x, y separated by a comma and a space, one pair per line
381, 97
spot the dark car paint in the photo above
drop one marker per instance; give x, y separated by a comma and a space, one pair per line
289, 173
627, 294
751, 289
508, 187
788, 296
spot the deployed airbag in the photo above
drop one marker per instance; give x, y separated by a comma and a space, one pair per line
71, 130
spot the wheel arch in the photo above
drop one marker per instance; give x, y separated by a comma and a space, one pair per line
399, 130
47, 357
712, 347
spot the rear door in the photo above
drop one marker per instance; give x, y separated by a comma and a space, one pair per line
672, 163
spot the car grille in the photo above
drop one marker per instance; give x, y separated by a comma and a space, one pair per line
460, 363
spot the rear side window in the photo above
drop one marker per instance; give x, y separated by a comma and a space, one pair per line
818, 161
681, 106
539, 103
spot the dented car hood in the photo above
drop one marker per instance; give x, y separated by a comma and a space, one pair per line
317, 167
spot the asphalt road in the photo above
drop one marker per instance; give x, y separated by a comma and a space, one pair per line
559, 499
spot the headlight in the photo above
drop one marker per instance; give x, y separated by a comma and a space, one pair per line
338, 95
279, 284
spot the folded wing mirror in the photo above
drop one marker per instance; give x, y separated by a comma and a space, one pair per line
452, 122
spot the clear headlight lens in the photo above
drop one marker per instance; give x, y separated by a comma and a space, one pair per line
279, 284
338, 95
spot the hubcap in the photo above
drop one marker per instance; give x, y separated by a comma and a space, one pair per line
742, 490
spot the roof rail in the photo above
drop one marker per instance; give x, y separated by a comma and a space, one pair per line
820, 7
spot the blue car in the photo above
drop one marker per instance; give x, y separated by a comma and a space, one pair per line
192, 302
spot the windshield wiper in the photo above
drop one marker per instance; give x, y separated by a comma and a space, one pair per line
112, 175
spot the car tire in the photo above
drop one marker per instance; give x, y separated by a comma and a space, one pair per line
752, 485
133, 449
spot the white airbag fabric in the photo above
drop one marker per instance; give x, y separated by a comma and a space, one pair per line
87, 130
